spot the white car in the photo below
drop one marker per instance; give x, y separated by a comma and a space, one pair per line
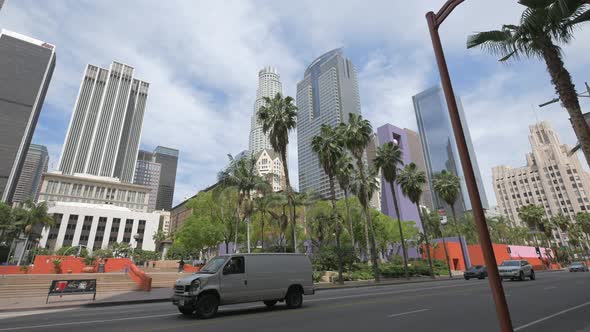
516, 269
241, 278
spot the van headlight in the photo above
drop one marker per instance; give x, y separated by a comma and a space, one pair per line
195, 285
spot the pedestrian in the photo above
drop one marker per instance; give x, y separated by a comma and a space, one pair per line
181, 265
101, 266
154, 264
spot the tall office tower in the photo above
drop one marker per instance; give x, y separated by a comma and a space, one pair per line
29, 181
551, 178
440, 147
147, 173
103, 135
26, 67
327, 94
269, 85
167, 158
1, 4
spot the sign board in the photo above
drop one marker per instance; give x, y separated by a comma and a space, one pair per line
442, 216
72, 287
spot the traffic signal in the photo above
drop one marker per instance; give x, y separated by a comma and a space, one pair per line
538, 251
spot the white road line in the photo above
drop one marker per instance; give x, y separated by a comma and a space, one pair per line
408, 312
551, 316
550, 287
83, 322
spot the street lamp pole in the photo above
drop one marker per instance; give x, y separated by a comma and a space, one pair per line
434, 22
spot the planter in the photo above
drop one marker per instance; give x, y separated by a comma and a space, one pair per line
88, 269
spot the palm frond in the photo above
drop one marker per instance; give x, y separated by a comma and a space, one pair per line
535, 4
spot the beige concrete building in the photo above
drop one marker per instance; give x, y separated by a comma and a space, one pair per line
551, 178
270, 167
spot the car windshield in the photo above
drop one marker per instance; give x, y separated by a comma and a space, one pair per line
577, 263
213, 266
511, 263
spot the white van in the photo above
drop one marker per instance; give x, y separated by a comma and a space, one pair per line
241, 278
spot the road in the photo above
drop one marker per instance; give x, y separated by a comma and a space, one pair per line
557, 301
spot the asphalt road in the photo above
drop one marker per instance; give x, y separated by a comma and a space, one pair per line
558, 301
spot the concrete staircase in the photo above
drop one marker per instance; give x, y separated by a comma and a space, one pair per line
165, 279
35, 285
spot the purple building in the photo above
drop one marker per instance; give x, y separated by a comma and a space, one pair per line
404, 138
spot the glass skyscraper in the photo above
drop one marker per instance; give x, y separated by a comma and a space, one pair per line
440, 147
327, 94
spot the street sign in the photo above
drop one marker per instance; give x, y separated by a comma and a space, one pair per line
72, 287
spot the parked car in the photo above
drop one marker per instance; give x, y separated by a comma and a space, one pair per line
516, 269
578, 267
240, 278
476, 271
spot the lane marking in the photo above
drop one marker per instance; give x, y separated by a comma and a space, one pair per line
408, 312
83, 322
552, 316
550, 287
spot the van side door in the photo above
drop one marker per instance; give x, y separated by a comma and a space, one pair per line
234, 282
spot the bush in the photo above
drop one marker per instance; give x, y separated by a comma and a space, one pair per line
317, 275
103, 253
90, 260
326, 259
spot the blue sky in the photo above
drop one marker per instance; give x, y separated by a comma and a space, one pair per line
202, 59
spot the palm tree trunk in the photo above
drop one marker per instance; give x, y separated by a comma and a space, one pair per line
289, 199
237, 222
262, 232
349, 221
337, 224
401, 232
566, 91
20, 258
447, 256
367, 211
459, 236
426, 240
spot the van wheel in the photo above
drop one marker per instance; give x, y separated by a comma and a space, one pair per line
294, 298
186, 310
270, 303
207, 306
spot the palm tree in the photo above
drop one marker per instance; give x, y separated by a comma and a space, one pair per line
30, 217
389, 159
411, 181
264, 204
532, 215
279, 116
327, 146
344, 171
543, 26
433, 223
356, 135
242, 175
447, 186
305, 200
158, 238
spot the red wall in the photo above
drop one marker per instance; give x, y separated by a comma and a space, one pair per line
455, 255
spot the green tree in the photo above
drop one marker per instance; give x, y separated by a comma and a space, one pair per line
158, 238
329, 150
305, 200
411, 181
583, 219
197, 233
544, 25
29, 218
121, 249
447, 186
389, 159
344, 172
264, 206
356, 135
532, 215
278, 117
432, 222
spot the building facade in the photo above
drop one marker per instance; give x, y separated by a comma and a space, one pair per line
99, 226
440, 148
551, 178
57, 187
147, 173
29, 181
407, 140
327, 94
270, 167
269, 85
26, 69
105, 127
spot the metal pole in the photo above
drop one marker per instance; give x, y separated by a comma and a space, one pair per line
486, 244
248, 233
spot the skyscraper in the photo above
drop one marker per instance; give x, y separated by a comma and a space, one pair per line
29, 181
103, 135
440, 148
551, 178
147, 173
269, 85
167, 159
26, 67
327, 94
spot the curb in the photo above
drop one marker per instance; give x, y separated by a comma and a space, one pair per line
87, 305
381, 284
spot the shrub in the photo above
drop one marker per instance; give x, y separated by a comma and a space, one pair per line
103, 253
90, 260
326, 258
317, 275
57, 266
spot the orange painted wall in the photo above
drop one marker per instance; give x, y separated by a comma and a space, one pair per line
476, 254
455, 255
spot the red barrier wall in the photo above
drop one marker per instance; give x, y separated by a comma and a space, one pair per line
142, 279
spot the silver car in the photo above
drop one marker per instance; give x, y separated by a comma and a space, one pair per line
516, 269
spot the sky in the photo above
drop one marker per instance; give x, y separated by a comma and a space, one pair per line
202, 59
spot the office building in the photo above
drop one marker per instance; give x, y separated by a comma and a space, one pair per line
269, 85
147, 173
167, 159
99, 226
551, 178
440, 148
407, 140
327, 94
29, 181
105, 127
26, 67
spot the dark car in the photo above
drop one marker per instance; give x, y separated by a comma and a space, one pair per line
578, 267
476, 271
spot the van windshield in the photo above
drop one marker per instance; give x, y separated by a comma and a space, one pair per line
213, 266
